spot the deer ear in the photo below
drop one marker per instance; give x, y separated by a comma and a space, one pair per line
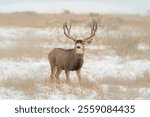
89, 41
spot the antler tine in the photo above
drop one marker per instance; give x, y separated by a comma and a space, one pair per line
93, 30
65, 27
92, 27
68, 29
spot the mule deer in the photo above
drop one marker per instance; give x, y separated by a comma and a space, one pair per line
71, 59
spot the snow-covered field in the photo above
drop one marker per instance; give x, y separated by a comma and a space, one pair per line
24, 67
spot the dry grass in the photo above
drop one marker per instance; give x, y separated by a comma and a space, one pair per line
124, 46
28, 86
32, 19
143, 81
44, 87
128, 46
22, 52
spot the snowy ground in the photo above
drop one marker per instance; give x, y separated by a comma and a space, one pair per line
109, 76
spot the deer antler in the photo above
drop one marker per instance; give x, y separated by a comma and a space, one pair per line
67, 31
93, 30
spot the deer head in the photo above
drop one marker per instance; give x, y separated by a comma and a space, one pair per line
79, 43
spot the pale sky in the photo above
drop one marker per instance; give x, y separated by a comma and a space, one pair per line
81, 6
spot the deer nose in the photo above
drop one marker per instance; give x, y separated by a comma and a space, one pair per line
78, 47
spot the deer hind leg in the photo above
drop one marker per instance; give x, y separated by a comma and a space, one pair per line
53, 73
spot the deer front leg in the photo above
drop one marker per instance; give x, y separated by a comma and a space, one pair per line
78, 75
58, 74
53, 73
67, 76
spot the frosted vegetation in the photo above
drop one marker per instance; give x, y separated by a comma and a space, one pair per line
117, 63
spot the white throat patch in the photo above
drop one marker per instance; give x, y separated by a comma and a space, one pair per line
79, 51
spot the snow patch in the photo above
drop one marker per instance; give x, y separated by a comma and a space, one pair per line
116, 67
143, 46
23, 68
11, 94
109, 66
144, 92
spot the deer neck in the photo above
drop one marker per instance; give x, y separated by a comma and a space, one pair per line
75, 61
77, 56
